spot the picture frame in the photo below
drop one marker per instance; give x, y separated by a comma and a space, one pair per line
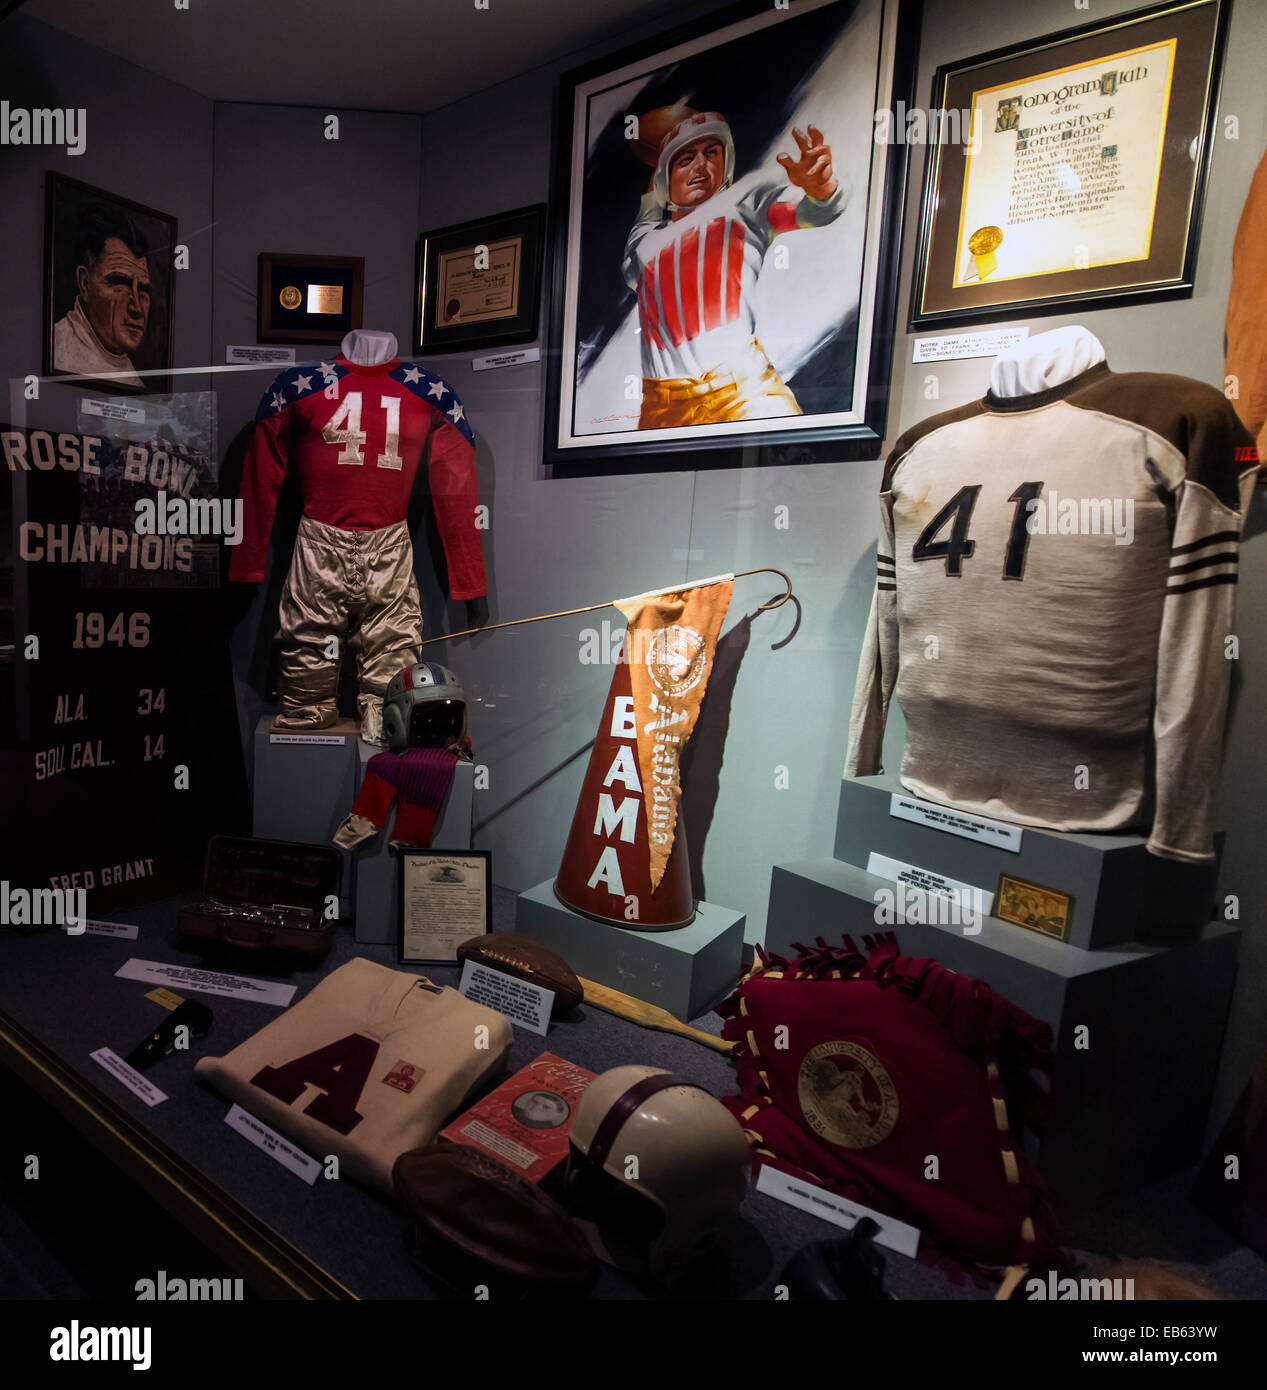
1046, 911
308, 299
478, 284
1100, 200
774, 341
108, 287
446, 898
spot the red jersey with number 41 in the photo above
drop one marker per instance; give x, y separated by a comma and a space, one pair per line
357, 435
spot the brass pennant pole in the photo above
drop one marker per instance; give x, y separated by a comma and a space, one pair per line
594, 607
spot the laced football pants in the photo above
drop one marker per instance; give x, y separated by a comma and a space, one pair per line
353, 589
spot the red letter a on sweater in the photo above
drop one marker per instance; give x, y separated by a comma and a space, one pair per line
340, 1070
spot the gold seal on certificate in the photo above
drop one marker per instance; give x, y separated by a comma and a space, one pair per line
478, 284
445, 899
983, 243
291, 297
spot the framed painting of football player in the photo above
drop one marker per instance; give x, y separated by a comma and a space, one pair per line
725, 242
107, 286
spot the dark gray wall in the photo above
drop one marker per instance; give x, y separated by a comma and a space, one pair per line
282, 186
148, 139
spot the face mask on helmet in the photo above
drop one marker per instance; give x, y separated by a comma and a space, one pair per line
437, 724
626, 1222
424, 707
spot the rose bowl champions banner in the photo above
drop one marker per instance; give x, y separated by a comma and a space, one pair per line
118, 726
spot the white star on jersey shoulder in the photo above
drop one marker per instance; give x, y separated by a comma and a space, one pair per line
326, 368
457, 413
436, 389
412, 375
303, 383
279, 401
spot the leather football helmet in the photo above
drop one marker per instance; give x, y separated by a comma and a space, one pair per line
424, 707
657, 1169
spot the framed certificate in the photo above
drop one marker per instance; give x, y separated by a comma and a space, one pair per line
309, 299
479, 283
1072, 170
446, 897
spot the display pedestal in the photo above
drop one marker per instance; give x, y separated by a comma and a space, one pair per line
304, 786
378, 865
1137, 1026
1120, 892
684, 971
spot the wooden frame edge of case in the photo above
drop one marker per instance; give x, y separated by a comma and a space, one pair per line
272, 1267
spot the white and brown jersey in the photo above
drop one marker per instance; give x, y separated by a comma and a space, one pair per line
1055, 591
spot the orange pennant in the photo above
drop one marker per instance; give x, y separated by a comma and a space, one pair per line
669, 645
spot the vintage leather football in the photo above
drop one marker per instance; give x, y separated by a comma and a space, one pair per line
472, 1212
527, 959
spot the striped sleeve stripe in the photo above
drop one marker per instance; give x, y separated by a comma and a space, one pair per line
889, 587
1201, 583
884, 559
1224, 557
1214, 538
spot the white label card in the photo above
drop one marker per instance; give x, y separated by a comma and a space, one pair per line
522, 1003
154, 972
897, 1235
126, 930
979, 828
307, 738
129, 1076
273, 1144
265, 356
111, 410
967, 897
506, 359
951, 347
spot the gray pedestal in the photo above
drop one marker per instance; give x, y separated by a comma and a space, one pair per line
685, 971
304, 789
1137, 1028
1120, 892
378, 865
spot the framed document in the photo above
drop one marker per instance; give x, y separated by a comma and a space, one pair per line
725, 241
479, 283
1070, 171
309, 299
446, 897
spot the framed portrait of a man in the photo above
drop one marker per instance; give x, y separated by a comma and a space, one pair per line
107, 287
725, 241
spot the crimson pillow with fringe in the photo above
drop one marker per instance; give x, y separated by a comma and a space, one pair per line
897, 1083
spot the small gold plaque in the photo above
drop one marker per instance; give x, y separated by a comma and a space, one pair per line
1031, 905
291, 297
325, 299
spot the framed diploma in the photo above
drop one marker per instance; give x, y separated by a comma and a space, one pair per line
446, 897
309, 299
1070, 171
479, 283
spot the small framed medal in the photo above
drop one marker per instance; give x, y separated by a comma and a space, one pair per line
309, 299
